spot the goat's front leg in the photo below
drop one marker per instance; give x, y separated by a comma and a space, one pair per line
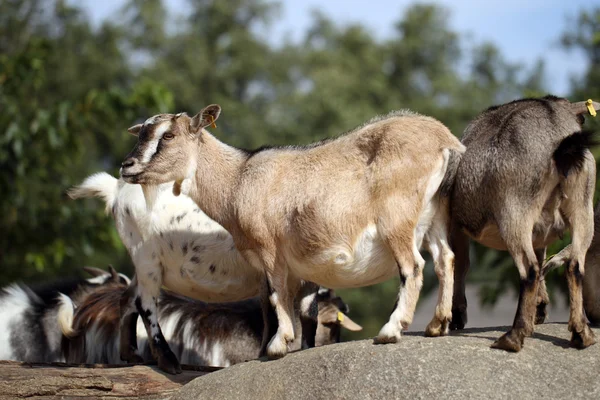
410, 266
149, 275
281, 295
128, 325
542, 301
459, 242
443, 260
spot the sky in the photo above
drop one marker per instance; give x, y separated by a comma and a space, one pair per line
524, 30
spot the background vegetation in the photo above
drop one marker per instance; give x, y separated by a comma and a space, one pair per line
68, 90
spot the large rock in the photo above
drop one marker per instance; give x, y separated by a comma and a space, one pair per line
458, 366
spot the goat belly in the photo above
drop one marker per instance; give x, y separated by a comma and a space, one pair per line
368, 262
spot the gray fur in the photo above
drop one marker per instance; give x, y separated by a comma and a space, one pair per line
527, 176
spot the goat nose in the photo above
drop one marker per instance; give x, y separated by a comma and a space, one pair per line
130, 162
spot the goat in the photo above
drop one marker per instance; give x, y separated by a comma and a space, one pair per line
176, 245
345, 212
199, 333
30, 315
591, 279
527, 176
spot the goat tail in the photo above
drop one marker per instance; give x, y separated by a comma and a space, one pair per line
101, 185
556, 260
66, 311
454, 157
570, 154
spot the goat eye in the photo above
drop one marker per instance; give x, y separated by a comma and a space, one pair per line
168, 136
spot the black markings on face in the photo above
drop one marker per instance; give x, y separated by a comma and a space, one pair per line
127, 211
212, 268
184, 248
198, 248
195, 260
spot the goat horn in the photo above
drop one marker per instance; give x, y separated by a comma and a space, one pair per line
113, 273
93, 271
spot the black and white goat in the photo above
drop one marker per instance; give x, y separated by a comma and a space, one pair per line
30, 315
199, 333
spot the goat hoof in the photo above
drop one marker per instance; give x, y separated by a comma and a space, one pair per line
510, 341
277, 348
437, 328
459, 319
390, 333
541, 313
131, 357
380, 339
583, 339
134, 359
169, 364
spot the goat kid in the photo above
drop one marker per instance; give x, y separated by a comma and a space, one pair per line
346, 212
171, 243
526, 177
200, 333
30, 315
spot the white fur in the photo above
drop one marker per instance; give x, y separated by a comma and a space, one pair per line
66, 310
12, 307
160, 130
181, 223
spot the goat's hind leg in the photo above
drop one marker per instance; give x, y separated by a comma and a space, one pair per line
578, 208
127, 326
443, 259
410, 266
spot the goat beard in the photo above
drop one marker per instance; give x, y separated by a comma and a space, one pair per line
150, 195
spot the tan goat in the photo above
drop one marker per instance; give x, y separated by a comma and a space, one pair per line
347, 212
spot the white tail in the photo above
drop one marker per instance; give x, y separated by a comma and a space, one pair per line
98, 185
66, 310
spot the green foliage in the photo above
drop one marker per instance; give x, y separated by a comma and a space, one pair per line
68, 91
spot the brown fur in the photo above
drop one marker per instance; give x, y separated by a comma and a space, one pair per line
298, 212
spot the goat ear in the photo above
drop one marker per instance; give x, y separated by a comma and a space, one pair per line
93, 271
582, 107
135, 130
347, 323
207, 116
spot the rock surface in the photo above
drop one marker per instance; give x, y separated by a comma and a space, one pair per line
60, 381
458, 366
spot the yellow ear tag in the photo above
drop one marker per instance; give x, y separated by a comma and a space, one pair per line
590, 107
212, 121
340, 316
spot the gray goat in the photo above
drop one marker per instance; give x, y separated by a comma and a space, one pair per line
527, 176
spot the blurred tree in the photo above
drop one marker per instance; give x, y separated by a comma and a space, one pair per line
61, 112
